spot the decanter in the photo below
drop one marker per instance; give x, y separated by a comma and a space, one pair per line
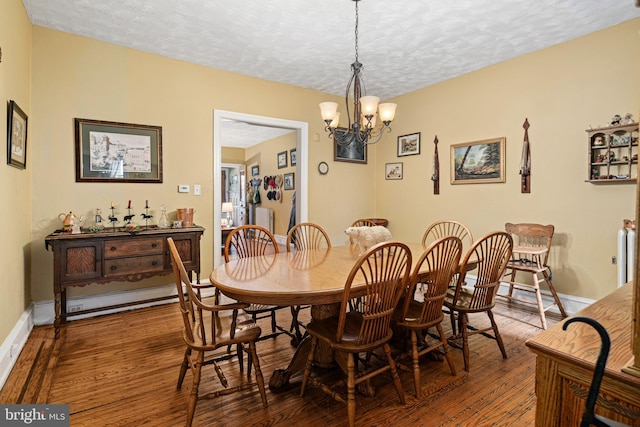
99, 223
163, 222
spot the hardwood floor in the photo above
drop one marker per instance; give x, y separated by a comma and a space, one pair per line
121, 370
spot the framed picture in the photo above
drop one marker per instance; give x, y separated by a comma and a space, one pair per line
117, 152
408, 145
292, 156
289, 181
16, 136
282, 160
354, 152
255, 170
478, 162
393, 170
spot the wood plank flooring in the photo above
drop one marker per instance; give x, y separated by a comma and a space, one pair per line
121, 370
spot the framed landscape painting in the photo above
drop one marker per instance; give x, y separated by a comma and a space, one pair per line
478, 162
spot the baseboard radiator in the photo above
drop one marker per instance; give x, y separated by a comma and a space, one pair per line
626, 251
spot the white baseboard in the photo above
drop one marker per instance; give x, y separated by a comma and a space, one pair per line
572, 304
14, 343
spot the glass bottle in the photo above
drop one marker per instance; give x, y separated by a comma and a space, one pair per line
163, 222
99, 223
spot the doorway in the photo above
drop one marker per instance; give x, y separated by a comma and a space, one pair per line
302, 175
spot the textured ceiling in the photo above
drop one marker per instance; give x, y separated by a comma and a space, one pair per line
404, 44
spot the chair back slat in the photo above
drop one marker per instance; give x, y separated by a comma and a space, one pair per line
440, 259
492, 253
307, 235
377, 280
444, 228
249, 241
532, 236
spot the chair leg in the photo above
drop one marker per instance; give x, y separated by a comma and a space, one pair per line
193, 398
543, 319
547, 279
184, 366
452, 316
351, 390
309, 365
416, 362
394, 374
253, 355
446, 350
494, 325
273, 321
465, 340
240, 355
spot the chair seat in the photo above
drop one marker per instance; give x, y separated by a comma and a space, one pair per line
464, 301
326, 331
262, 308
529, 267
412, 318
245, 330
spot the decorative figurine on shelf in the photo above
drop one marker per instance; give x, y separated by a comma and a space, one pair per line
128, 218
615, 121
112, 218
163, 222
628, 119
146, 215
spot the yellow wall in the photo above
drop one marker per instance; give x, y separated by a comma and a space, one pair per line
268, 152
78, 77
15, 188
561, 90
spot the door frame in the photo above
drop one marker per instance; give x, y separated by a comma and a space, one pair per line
302, 167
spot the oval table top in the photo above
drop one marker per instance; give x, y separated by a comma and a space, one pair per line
309, 277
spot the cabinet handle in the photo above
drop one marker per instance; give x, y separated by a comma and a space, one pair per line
113, 248
154, 263
113, 268
154, 245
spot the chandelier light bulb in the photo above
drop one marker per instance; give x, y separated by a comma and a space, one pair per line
369, 105
328, 110
387, 112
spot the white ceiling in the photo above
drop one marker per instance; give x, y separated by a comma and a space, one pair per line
404, 44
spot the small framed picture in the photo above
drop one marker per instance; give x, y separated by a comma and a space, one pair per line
16, 136
282, 160
393, 170
289, 181
292, 156
408, 145
255, 170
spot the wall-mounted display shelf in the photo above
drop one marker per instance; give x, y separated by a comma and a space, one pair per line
613, 154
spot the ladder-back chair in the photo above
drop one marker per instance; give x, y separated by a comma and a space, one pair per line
532, 243
207, 328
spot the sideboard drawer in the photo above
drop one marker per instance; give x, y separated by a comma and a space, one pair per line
116, 248
141, 264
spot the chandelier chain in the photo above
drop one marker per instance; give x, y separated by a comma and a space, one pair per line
356, 30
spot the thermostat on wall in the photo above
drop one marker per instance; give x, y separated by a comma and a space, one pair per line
183, 189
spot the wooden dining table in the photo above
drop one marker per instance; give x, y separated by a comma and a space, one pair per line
309, 277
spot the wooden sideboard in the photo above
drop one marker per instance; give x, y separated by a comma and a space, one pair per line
108, 256
566, 359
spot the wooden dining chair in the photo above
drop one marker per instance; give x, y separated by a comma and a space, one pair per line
491, 253
379, 277
305, 236
208, 327
447, 227
532, 243
249, 241
421, 307
444, 228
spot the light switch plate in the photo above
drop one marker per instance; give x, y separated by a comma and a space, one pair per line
196, 189
183, 188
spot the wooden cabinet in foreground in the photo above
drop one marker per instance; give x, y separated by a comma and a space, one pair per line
613, 154
86, 258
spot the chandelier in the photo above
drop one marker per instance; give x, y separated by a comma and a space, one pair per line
362, 126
